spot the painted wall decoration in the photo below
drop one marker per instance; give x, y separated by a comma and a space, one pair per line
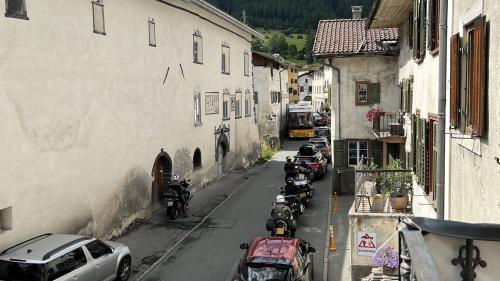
211, 103
367, 243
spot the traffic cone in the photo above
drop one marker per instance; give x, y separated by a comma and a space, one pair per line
334, 205
332, 239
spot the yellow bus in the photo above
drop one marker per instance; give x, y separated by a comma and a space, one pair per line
300, 121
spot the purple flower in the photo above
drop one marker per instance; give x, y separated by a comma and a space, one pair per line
386, 257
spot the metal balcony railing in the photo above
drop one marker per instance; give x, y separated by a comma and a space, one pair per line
387, 124
417, 263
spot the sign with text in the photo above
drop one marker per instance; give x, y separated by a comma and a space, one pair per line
367, 243
211, 103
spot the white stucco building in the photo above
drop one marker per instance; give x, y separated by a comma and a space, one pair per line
102, 102
305, 86
321, 86
270, 74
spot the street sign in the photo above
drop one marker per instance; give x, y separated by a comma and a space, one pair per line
367, 243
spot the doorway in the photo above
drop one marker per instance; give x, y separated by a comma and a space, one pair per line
221, 153
162, 175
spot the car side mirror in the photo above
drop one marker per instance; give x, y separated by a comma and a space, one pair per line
244, 246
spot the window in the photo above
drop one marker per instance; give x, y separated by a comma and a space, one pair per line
307, 81
407, 95
301, 89
225, 59
433, 33
367, 93
197, 159
357, 150
152, 33
98, 249
237, 105
6, 219
419, 28
197, 109
410, 31
225, 105
290, 90
98, 16
16, 9
248, 104
197, 47
66, 264
246, 64
468, 97
310, 88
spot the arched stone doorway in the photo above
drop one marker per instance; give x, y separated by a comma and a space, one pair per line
197, 159
162, 174
220, 156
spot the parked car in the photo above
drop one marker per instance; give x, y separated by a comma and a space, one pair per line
276, 258
62, 257
323, 131
323, 145
320, 120
308, 150
316, 163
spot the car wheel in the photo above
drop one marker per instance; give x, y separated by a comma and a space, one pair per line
123, 272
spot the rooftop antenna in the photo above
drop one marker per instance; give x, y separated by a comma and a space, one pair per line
244, 16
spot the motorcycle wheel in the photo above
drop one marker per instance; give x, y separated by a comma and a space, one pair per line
173, 213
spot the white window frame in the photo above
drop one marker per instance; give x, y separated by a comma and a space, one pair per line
23, 14
248, 104
98, 6
198, 51
197, 108
238, 104
226, 59
358, 152
246, 63
152, 32
226, 109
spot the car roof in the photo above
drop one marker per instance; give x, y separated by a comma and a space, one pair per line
273, 247
316, 140
42, 247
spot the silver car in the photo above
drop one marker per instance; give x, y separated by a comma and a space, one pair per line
64, 257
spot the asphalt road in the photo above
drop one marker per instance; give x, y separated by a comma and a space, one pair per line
212, 251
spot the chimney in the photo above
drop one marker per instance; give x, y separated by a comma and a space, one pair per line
356, 12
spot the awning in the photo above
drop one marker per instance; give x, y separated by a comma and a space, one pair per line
390, 13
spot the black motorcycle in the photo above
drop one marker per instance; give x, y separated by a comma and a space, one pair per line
281, 227
172, 198
295, 204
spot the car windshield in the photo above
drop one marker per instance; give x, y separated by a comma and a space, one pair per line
304, 160
319, 144
265, 272
18, 271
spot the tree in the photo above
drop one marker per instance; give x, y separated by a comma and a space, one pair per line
292, 50
257, 45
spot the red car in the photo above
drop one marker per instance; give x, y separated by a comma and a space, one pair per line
276, 258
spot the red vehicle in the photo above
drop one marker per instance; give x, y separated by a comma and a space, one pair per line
276, 258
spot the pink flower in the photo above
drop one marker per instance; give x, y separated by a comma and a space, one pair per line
370, 115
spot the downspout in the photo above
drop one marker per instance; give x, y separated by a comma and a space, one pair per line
281, 103
443, 51
338, 101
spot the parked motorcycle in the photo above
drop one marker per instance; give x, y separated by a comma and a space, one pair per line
295, 204
172, 197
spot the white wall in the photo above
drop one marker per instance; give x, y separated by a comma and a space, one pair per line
85, 115
354, 124
303, 83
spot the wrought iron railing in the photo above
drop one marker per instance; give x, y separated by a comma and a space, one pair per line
386, 124
371, 182
417, 262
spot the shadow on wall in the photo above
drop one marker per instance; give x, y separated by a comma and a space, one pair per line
131, 203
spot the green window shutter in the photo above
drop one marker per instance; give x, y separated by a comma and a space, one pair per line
435, 151
374, 94
377, 152
404, 86
416, 27
339, 154
422, 23
418, 152
430, 24
410, 96
425, 155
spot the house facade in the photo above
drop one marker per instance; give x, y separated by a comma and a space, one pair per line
133, 93
293, 83
364, 79
270, 75
321, 86
305, 86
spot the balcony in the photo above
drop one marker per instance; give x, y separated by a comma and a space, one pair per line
439, 250
389, 127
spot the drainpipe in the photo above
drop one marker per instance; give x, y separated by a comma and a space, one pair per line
443, 51
337, 121
281, 101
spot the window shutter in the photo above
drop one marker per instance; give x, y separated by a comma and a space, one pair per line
425, 155
410, 96
339, 154
405, 95
377, 152
479, 76
418, 150
430, 24
435, 151
374, 93
413, 144
454, 78
416, 27
422, 23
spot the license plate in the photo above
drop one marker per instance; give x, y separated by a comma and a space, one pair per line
170, 203
303, 195
280, 231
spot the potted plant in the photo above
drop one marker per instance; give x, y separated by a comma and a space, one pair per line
396, 185
388, 259
372, 113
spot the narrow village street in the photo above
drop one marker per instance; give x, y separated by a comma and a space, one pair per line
211, 252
